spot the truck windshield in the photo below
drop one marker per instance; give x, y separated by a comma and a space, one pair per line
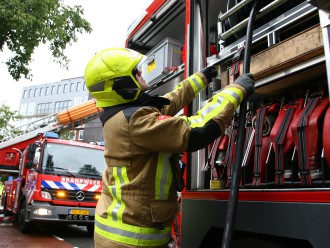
70, 160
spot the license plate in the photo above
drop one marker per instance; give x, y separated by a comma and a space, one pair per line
79, 212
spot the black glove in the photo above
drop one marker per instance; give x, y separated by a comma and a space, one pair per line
246, 81
209, 72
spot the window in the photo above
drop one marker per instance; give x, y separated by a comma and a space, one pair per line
66, 87
41, 92
47, 91
72, 87
79, 84
62, 105
25, 94
59, 88
77, 100
31, 108
44, 108
53, 90
30, 93
35, 92
81, 135
23, 108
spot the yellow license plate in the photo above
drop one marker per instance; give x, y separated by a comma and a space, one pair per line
80, 212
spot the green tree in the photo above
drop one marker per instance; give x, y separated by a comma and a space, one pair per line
24, 24
7, 118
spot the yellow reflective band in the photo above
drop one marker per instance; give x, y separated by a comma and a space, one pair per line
196, 83
210, 110
163, 176
131, 235
234, 95
239, 93
117, 207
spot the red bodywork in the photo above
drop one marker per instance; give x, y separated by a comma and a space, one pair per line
30, 182
9, 157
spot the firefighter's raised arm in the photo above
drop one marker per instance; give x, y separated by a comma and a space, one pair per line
210, 121
188, 89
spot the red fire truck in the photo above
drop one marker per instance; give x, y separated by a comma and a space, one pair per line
58, 180
283, 158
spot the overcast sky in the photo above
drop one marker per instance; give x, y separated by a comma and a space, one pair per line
109, 19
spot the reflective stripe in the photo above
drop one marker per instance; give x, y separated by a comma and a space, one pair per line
216, 105
232, 96
210, 110
163, 176
131, 235
116, 209
196, 83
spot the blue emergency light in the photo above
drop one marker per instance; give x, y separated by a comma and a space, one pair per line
51, 135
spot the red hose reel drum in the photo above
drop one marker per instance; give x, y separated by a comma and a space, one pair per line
263, 123
281, 138
307, 135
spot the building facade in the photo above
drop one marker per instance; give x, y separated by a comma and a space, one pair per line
42, 100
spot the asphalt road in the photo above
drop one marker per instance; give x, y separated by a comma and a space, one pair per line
77, 236
45, 235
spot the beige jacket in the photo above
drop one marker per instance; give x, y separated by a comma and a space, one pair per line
137, 183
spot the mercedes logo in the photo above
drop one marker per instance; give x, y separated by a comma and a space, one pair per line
80, 196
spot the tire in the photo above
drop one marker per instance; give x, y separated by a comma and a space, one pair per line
90, 229
24, 226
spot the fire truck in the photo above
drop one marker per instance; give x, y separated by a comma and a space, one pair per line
265, 181
56, 180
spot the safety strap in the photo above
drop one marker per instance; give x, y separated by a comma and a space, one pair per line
307, 128
248, 146
230, 153
278, 141
260, 117
305, 176
249, 139
211, 159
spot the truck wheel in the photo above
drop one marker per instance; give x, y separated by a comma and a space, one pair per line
90, 229
23, 225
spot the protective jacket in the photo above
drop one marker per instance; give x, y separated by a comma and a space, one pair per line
139, 200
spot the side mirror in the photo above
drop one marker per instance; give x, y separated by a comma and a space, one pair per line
31, 151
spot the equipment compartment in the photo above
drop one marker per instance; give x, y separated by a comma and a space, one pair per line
161, 60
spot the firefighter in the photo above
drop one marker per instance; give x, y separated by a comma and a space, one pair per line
141, 132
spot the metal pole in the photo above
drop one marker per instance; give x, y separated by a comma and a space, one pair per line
234, 189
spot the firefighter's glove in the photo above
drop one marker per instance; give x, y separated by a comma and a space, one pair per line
209, 72
247, 81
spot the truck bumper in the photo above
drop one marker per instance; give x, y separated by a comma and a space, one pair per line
43, 211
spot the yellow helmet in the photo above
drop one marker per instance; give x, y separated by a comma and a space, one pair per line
109, 76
